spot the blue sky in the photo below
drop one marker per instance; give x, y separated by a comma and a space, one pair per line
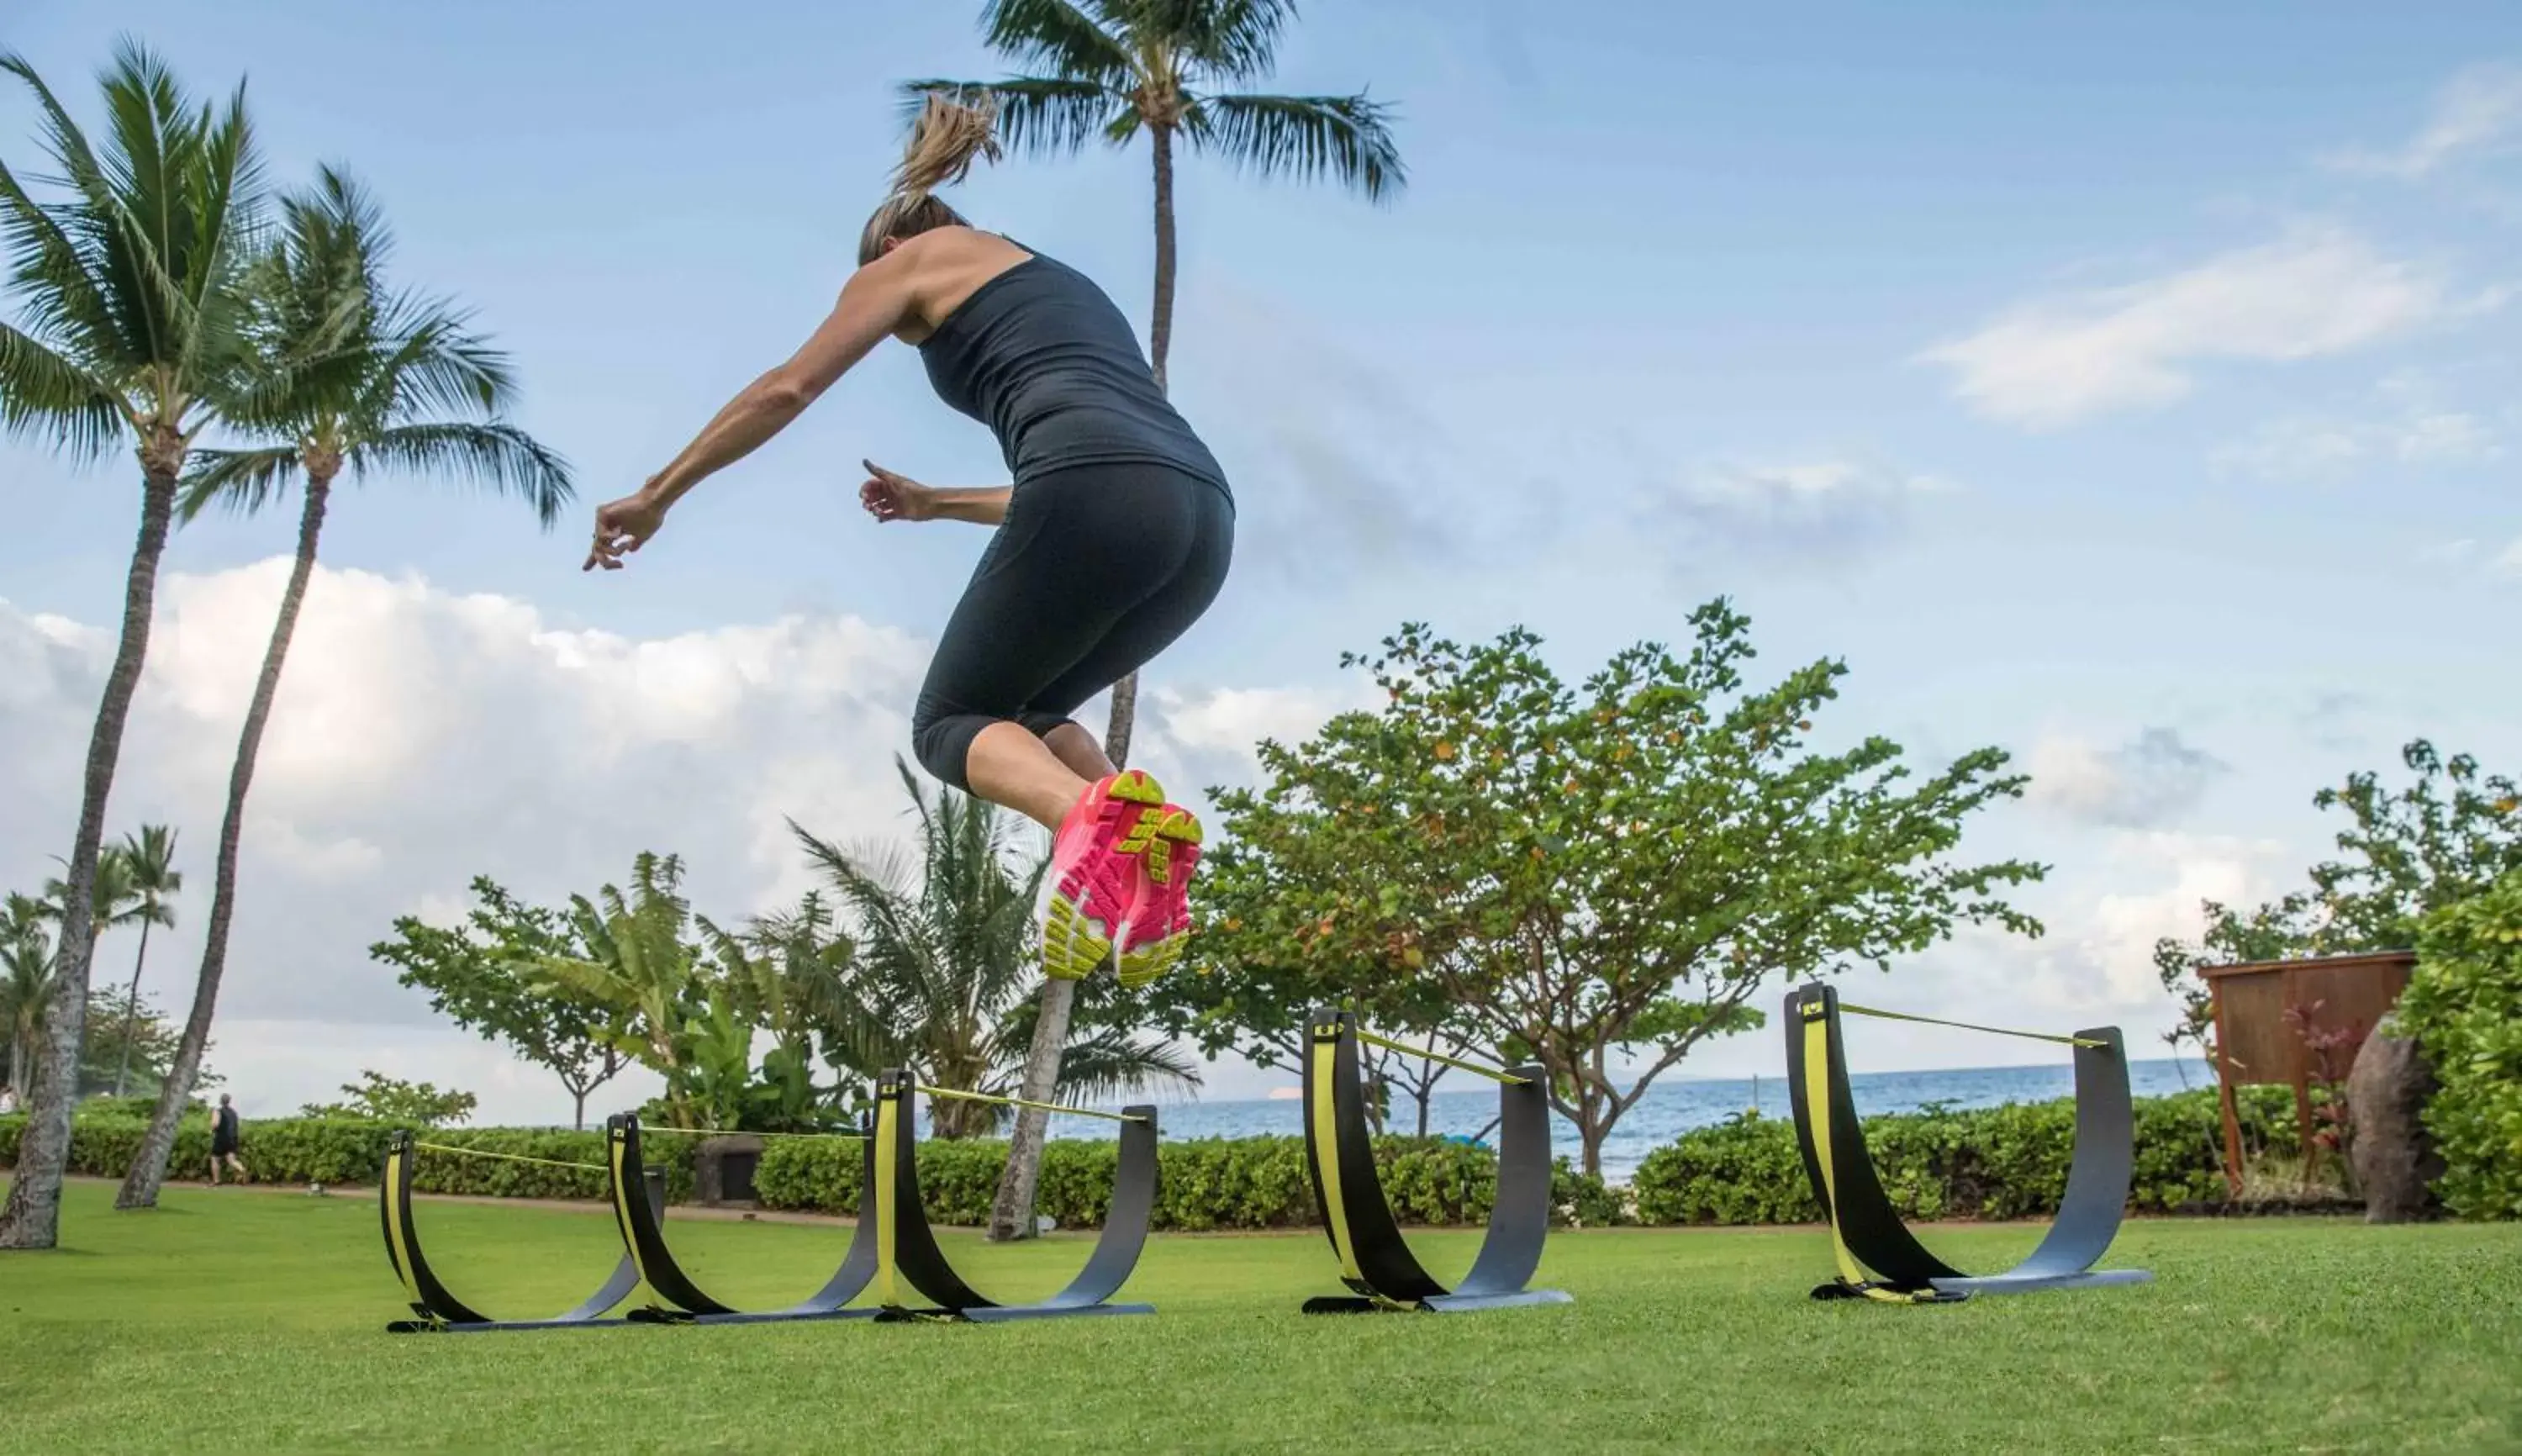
2131, 386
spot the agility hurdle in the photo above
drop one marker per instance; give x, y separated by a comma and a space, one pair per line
435, 1310
644, 1233
909, 1261
1374, 1260
1866, 1231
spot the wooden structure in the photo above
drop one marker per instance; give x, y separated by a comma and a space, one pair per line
2259, 1045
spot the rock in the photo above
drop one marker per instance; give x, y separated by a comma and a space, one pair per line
2396, 1162
723, 1170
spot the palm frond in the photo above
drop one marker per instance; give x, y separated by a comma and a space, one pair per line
45, 397
1347, 137
500, 457
1057, 37
1235, 40
1111, 1063
52, 276
1040, 116
242, 482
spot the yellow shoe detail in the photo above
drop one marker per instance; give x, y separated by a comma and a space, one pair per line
1139, 787
1072, 944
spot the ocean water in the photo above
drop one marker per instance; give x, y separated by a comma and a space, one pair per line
1673, 1107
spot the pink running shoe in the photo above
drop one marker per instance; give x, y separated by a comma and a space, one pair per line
1159, 922
1095, 866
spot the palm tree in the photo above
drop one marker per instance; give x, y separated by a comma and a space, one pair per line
944, 959
126, 336
26, 971
1113, 69
148, 859
345, 375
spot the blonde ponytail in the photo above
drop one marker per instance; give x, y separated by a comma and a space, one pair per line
946, 139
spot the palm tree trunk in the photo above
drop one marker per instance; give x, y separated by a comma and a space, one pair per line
1012, 1214
149, 1166
1161, 340
131, 1011
32, 1218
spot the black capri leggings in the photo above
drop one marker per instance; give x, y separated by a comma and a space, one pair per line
1095, 570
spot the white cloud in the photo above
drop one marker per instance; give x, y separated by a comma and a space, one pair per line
2309, 446
2478, 112
2147, 782
2313, 293
422, 737
1816, 507
2509, 562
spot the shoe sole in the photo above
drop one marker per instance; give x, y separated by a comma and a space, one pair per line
1177, 831
1093, 898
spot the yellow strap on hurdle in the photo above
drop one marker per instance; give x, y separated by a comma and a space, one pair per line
959, 1094
508, 1157
2038, 1036
1473, 1067
646, 1131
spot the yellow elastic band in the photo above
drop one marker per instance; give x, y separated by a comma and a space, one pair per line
959, 1095
1473, 1067
508, 1157
2038, 1036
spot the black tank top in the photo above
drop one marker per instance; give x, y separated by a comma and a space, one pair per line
1040, 355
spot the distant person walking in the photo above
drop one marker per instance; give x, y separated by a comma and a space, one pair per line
223, 1140
8, 1101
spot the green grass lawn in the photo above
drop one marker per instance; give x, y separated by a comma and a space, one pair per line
232, 1320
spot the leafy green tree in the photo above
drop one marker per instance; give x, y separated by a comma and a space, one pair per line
685, 998
27, 969
148, 859
945, 953
2405, 854
481, 975
127, 1039
378, 1097
127, 335
345, 373
1167, 70
1585, 872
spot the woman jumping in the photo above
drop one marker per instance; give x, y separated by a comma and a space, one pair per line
1112, 541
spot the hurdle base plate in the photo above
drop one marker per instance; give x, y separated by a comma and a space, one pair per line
2003, 1284
1434, 1303
783, 1316
491, 1327
1001, 1314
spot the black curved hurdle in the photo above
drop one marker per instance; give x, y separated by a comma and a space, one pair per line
1866, 1230
644, 1233
907, 1251
1374, 1260
438, 1310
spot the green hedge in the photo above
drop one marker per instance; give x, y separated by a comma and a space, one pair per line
1987, 1163
1202, 1183
1994, 1163
330, 1150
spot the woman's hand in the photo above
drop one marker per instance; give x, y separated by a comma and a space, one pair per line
623, 526
888, 496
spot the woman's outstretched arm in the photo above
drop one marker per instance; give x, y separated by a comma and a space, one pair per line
874, 302
878, 299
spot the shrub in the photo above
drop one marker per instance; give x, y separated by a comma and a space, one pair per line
1990, 1163
2463, 1005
